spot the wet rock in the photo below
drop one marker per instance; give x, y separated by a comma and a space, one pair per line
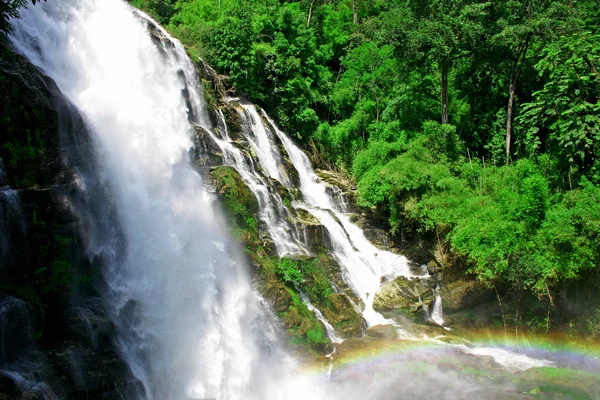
334, 273
315, 235
344, 182
462, 294
49, 275
382, 332
234, 122
403, 294
342, 314
207, 152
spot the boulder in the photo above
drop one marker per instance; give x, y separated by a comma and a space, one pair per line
461, 294
316, 236
382, 332
402, 294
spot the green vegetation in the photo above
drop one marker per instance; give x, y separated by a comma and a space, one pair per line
276, 277
472, 123
280, 279
308, 275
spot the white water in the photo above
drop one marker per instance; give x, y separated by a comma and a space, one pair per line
437, 315
271, 209
189, 323
263, 144
331, 333
364, 265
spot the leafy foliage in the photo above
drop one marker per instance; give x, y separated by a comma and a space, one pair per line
370, 96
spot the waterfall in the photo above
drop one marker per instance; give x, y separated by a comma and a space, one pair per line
364, 265
10, 219
188, 322
271, 209
437, 315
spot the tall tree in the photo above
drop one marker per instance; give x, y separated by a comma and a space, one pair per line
523, 25
444, 30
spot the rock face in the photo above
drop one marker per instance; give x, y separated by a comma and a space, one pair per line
462, 294
315, 234
403, 294
56, 340
342, 315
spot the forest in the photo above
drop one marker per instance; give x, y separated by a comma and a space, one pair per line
472, 123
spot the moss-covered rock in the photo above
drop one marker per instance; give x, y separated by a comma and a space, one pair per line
308, 275
463, 293
206, 151
402, 294
275, 278
240, 204
341, 313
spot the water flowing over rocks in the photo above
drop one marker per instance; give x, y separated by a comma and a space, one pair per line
143, 294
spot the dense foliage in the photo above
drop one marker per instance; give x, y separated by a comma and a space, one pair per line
472, 121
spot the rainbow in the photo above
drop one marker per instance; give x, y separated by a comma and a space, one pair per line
360, 355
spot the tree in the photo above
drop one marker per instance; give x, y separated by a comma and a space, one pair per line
10, 9
521, 25
568, 105
370, 71
444, 31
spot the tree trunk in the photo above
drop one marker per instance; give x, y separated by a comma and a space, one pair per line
444, 70
310, 9
355, 11
509, 115
514, 77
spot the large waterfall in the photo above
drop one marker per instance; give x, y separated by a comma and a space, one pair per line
189, 323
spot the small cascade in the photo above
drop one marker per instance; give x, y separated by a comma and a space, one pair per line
437, 315
263, 144
331, 333
222, 125
272, 212
364, 265
10, 217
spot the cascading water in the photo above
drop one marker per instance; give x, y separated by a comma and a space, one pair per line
262, 142
10, 215
437, 315
272, 211
365, 265
189, 323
